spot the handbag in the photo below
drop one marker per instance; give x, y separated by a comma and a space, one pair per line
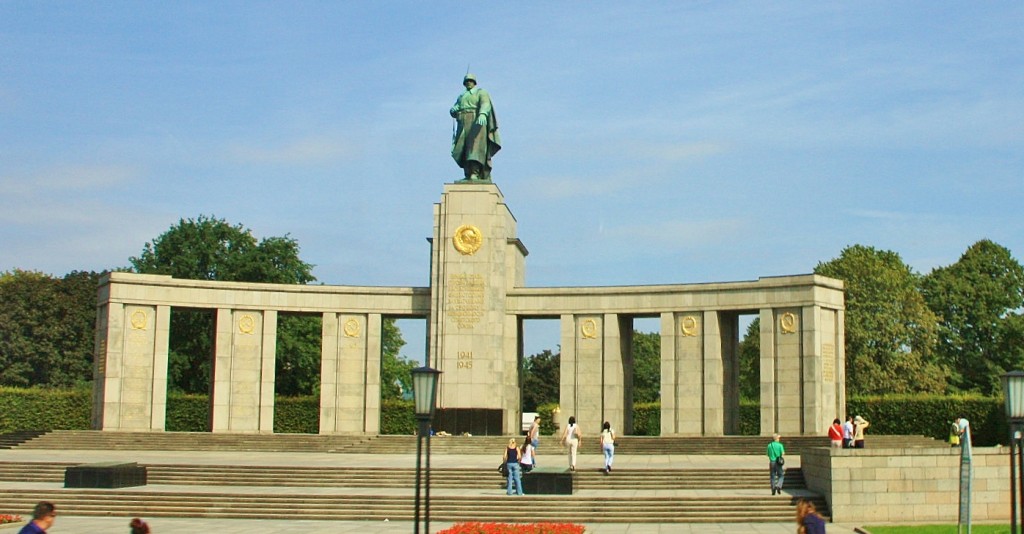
503, 469
780, 461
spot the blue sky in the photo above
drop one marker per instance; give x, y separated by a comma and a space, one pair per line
665, 142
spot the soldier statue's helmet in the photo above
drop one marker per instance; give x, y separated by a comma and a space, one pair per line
469, 77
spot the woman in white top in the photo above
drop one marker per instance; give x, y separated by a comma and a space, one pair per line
526, 457
572, 437
608, 446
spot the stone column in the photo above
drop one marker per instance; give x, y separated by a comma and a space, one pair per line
824, 395
669, 375
689, 378
728, 325
581, 383
131, 367
568, 365
788, 342
243, 371
350, 374
714, 377
769, 379
476, 259
613, 375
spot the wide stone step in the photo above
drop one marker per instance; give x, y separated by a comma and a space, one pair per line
385, 477
377, 507
639, 445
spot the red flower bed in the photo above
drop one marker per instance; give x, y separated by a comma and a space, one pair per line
513, 528
9, 518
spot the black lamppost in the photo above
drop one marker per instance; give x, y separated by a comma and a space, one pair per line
424, 390
1013, 390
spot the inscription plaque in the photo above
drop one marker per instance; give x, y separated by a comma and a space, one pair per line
465, 302
828, 362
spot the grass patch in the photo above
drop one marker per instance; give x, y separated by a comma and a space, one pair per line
938, 529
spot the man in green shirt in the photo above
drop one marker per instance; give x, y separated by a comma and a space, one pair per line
476, 138
776, 469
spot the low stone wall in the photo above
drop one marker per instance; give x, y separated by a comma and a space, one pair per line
907, 485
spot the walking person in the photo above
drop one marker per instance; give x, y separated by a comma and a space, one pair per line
533, 436
572, 437
776, 463
859, 424
515, 475
808, 520
43, 516
608, 446
138, 526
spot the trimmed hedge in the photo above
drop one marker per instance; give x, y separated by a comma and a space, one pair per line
44, 409
397, 417
929, 415
932, 415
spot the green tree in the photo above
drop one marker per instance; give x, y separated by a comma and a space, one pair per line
395, 370
207, 248
47, 328
298, 355
541, 375
890, 331
750, 362
978, 300
646, 366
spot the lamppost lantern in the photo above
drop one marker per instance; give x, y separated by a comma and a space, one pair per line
424, 391
424, 394
1013, 389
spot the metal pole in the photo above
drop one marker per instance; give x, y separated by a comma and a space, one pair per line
426, 509
1013, 483
1020, 479
419, 453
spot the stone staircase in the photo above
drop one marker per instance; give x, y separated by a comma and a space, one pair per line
13, 439
348, 492
396, 477
458, 494
454, 508
200, 441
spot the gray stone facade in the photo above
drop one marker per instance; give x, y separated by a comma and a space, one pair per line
474, 309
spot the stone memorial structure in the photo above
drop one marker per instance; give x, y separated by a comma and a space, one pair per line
475, 308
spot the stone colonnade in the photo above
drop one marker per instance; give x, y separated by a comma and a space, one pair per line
801, 365
475, 308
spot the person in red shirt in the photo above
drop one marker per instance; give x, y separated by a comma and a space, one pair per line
835, 434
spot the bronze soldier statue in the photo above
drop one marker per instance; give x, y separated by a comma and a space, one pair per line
476, 139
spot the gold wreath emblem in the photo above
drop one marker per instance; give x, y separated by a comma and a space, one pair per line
139, 320
351, 328
246, 324
467, 239
788, 323
589, 329
688, 325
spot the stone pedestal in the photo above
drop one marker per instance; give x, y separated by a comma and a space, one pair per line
105, 475
476, 260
